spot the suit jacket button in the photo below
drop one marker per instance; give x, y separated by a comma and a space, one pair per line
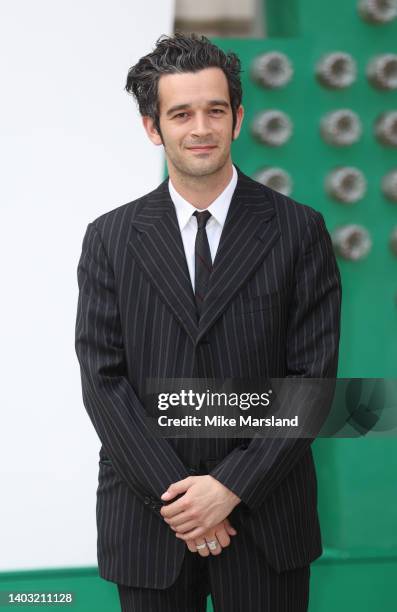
146, 500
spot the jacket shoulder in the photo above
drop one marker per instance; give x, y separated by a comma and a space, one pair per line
284, 205
118, 214
122, 215
290, 206
299, 224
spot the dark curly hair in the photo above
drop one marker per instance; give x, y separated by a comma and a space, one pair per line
180, 53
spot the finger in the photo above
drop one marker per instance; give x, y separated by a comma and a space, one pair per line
179, 520
175, 508
213, 545
177, 487
222, 537
191, 544
229, 528
185, 527
183, 518
203, 550
191, 535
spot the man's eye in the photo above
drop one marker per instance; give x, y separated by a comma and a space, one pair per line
214, 110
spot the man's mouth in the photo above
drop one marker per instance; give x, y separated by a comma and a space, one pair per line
202, 148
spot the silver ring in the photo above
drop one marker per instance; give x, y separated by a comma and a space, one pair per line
212, 544
201, 546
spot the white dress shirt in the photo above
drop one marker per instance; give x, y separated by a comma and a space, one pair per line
188, 223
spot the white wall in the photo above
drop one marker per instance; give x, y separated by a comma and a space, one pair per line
72, 147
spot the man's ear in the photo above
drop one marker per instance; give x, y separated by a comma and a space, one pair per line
148, 124
239, 121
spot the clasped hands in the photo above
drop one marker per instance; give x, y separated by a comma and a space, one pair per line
200, 515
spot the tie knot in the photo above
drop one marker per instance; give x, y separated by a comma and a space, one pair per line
202, 218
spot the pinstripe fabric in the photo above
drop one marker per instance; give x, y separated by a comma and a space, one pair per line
187, 594
272, 309
238, 579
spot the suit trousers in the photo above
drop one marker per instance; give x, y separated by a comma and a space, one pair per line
239, 580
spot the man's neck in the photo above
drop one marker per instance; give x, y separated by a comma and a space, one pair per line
201, 191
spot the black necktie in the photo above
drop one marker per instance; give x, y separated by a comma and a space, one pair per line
203, 261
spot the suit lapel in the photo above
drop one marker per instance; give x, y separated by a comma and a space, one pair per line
157, 246
249, 233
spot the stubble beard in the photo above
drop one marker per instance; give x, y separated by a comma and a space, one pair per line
197, 167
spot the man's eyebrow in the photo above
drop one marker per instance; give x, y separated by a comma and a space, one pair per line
178, 107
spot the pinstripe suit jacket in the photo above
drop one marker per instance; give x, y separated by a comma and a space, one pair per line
272, 309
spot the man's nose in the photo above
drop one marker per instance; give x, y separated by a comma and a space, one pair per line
201, 125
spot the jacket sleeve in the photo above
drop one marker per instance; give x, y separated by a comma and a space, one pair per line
146, 463
253, 471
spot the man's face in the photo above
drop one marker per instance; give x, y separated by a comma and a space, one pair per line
195, 112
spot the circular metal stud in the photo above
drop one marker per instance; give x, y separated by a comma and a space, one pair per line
272, 127
386, 128
275, 178
341, 127
378, 11
382, 71
271, 70
389, 185
352, 242
336, 70
346, 184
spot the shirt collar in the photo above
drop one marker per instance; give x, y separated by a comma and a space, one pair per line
218, 208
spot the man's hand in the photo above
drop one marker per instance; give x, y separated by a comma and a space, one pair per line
220, 534
206, 502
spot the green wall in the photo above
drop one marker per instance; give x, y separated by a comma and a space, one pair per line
357, 487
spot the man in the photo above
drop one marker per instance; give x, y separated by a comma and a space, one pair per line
209, 275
